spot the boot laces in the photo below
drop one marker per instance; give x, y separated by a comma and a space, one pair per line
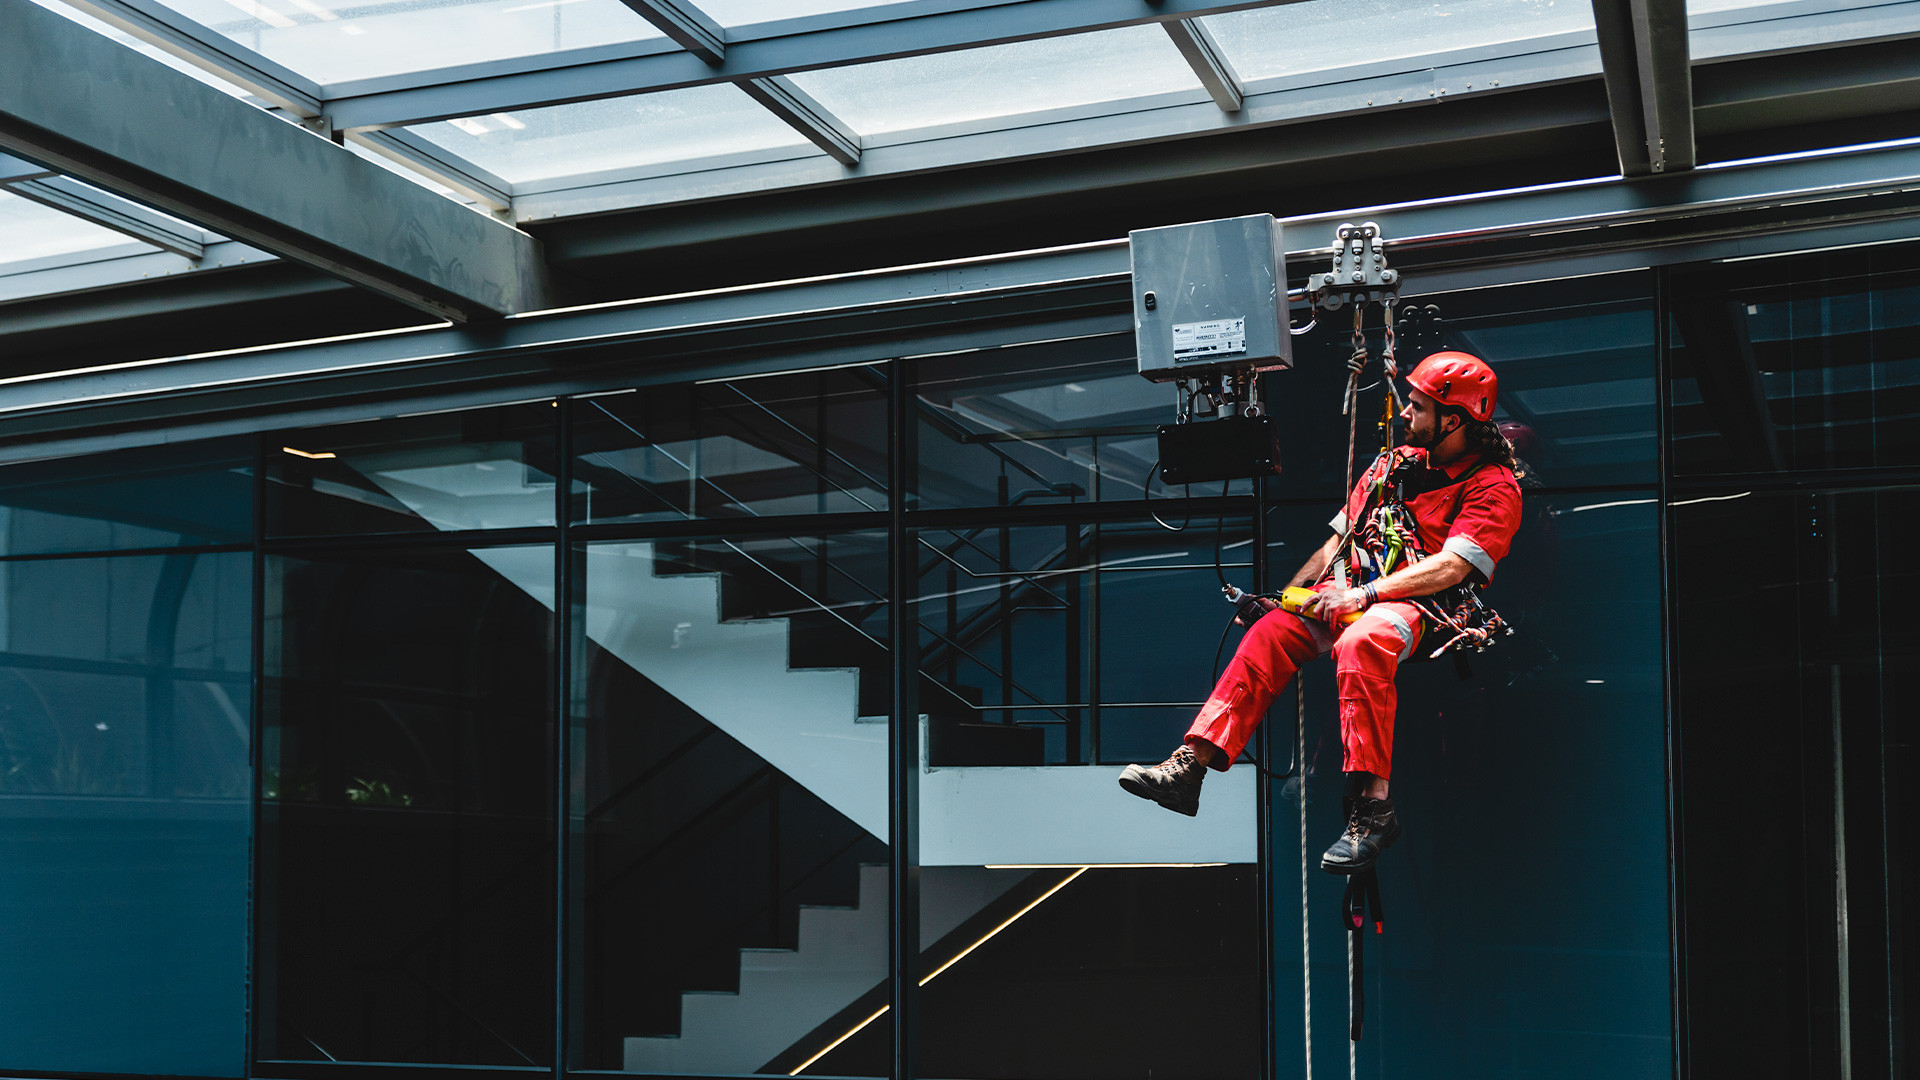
1359, 824
1179, 764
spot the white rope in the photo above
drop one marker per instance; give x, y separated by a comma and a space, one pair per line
1300, 778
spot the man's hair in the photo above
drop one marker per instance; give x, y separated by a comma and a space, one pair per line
1483, 438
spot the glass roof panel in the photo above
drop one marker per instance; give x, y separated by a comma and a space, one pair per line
616, 133
751, 12
338, 40
29, 231
141, 47
1324, 35
1002, 80
1721, 28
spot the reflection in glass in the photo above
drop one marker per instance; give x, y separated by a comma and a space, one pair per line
1779, 364
332, 41
1019, 626
1795, 665
406, 868
1110, 69
1319, 35
1015, 427
813, 442
729, 796
153, 497
476, 469
124, 745
1048, 653
624, 133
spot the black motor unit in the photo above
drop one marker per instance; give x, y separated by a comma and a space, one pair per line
1230, 448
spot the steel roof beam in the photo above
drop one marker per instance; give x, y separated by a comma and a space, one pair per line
810, 118
688, 26
94, 110
111, 211
207, 49
1208, 61
488, 88
1643, 52
963, 304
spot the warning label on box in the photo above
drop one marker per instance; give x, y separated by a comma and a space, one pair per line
1216, 337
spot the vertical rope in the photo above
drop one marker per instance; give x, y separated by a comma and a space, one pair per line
1300, 777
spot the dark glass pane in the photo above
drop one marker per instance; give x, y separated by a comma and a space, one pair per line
476, 469
1070, 421
730, 802
406, 872
1794, 672
812, 442
153, 497
1056, 423
1810, 362
1079, 984
124, 732
1526, 904
1044, 648
1017, 623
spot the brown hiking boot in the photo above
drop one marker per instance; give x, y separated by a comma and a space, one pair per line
1174, 783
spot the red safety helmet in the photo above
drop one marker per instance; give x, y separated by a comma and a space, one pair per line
1458, 379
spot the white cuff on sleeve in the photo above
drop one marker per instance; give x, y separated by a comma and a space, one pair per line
1472, 552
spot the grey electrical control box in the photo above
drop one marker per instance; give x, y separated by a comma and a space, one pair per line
1209, 297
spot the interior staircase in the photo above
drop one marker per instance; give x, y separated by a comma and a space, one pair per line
807, 722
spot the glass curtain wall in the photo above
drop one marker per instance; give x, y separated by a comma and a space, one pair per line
126, 706
407, 867
1792, 412
729, 615
574, 716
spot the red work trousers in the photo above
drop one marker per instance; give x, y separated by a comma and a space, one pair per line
1365, 657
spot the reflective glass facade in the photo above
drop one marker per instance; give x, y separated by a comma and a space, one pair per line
571, 735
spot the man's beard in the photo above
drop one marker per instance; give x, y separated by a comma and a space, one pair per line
1420, 441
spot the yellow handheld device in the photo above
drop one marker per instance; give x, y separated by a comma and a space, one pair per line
1295, 599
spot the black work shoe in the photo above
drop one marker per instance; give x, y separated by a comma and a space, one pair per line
1174, 783
1371, 829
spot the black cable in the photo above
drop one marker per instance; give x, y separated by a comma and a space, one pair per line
1219, 557
1146, 493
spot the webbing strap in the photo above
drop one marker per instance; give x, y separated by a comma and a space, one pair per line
1359, 905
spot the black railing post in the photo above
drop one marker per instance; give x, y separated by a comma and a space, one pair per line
903, 728
569, 629
262, 909
1070, 690
1006, 608
1669, 655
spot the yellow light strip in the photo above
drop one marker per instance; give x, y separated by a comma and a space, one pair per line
1102, 866
988, 936
320, 456
1011, 919
825, 1050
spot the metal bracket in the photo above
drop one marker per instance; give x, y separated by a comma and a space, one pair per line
1360, 273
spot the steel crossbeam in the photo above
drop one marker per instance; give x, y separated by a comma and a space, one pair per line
67, 96
1649, 78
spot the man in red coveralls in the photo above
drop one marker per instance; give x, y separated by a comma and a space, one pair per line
1465, 504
